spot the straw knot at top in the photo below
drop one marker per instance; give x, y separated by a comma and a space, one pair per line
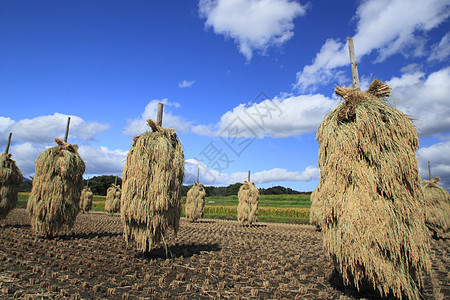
432, 182
353, 96
155, 127
66, 146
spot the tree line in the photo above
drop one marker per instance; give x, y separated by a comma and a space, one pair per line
100, 184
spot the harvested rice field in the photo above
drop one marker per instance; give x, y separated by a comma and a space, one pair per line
215, 259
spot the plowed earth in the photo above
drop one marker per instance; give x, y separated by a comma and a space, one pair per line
208, 259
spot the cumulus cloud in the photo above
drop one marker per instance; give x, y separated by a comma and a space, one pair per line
101, 160
277, 118
186, 83
139, 125
44, 129
213, 177
425, 99
253, 24
439, 159
384, 27
98, 160
25, 156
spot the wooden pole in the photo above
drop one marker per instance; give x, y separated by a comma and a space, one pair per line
160, 114
67, 130
198, 174
248, 175
9, 143
355, 77
115, 181
429, 171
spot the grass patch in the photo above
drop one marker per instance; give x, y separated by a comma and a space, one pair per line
291, 209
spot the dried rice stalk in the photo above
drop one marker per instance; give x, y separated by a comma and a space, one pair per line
437, 210
371, 196
86, 199
10, 180
247, 210
195, 202
315, 212
55, 196
151, 191
113, 195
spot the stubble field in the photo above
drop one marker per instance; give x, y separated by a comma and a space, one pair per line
210, 259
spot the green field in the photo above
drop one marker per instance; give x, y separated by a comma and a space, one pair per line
272, 208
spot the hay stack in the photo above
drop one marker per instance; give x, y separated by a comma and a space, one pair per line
371, 195
55, 196
10, 179
315, 212
437, 210
247, 210
86, 199
113, 195
151, 190
195, 202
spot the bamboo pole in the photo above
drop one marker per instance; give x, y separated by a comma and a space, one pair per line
67, 130
355, 77
160, 114
9, 142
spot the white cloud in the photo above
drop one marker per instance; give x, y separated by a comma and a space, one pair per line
441, 51
139, 125
278, 118
213, 177
426, 99
101, 160
25, 156
44, 129
253, 24
186, 84
438, 155
98, 160
386, 27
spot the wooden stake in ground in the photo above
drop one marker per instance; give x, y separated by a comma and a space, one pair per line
248, 175
9, 142
429, 171
67, 130
355, 76
160, 114
198, 174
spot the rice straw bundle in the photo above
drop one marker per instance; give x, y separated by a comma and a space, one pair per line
437, 207
371, 195
315, 211
10, 179
86, 199
55, 196
113, 195
247, 210
195, 202
151, 190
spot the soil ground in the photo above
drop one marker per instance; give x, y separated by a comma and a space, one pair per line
208, 259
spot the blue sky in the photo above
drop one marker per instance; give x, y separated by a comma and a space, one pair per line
245, 82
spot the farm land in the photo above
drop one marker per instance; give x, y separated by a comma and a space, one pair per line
213, 258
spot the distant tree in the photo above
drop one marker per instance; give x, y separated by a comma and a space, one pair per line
99, 184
